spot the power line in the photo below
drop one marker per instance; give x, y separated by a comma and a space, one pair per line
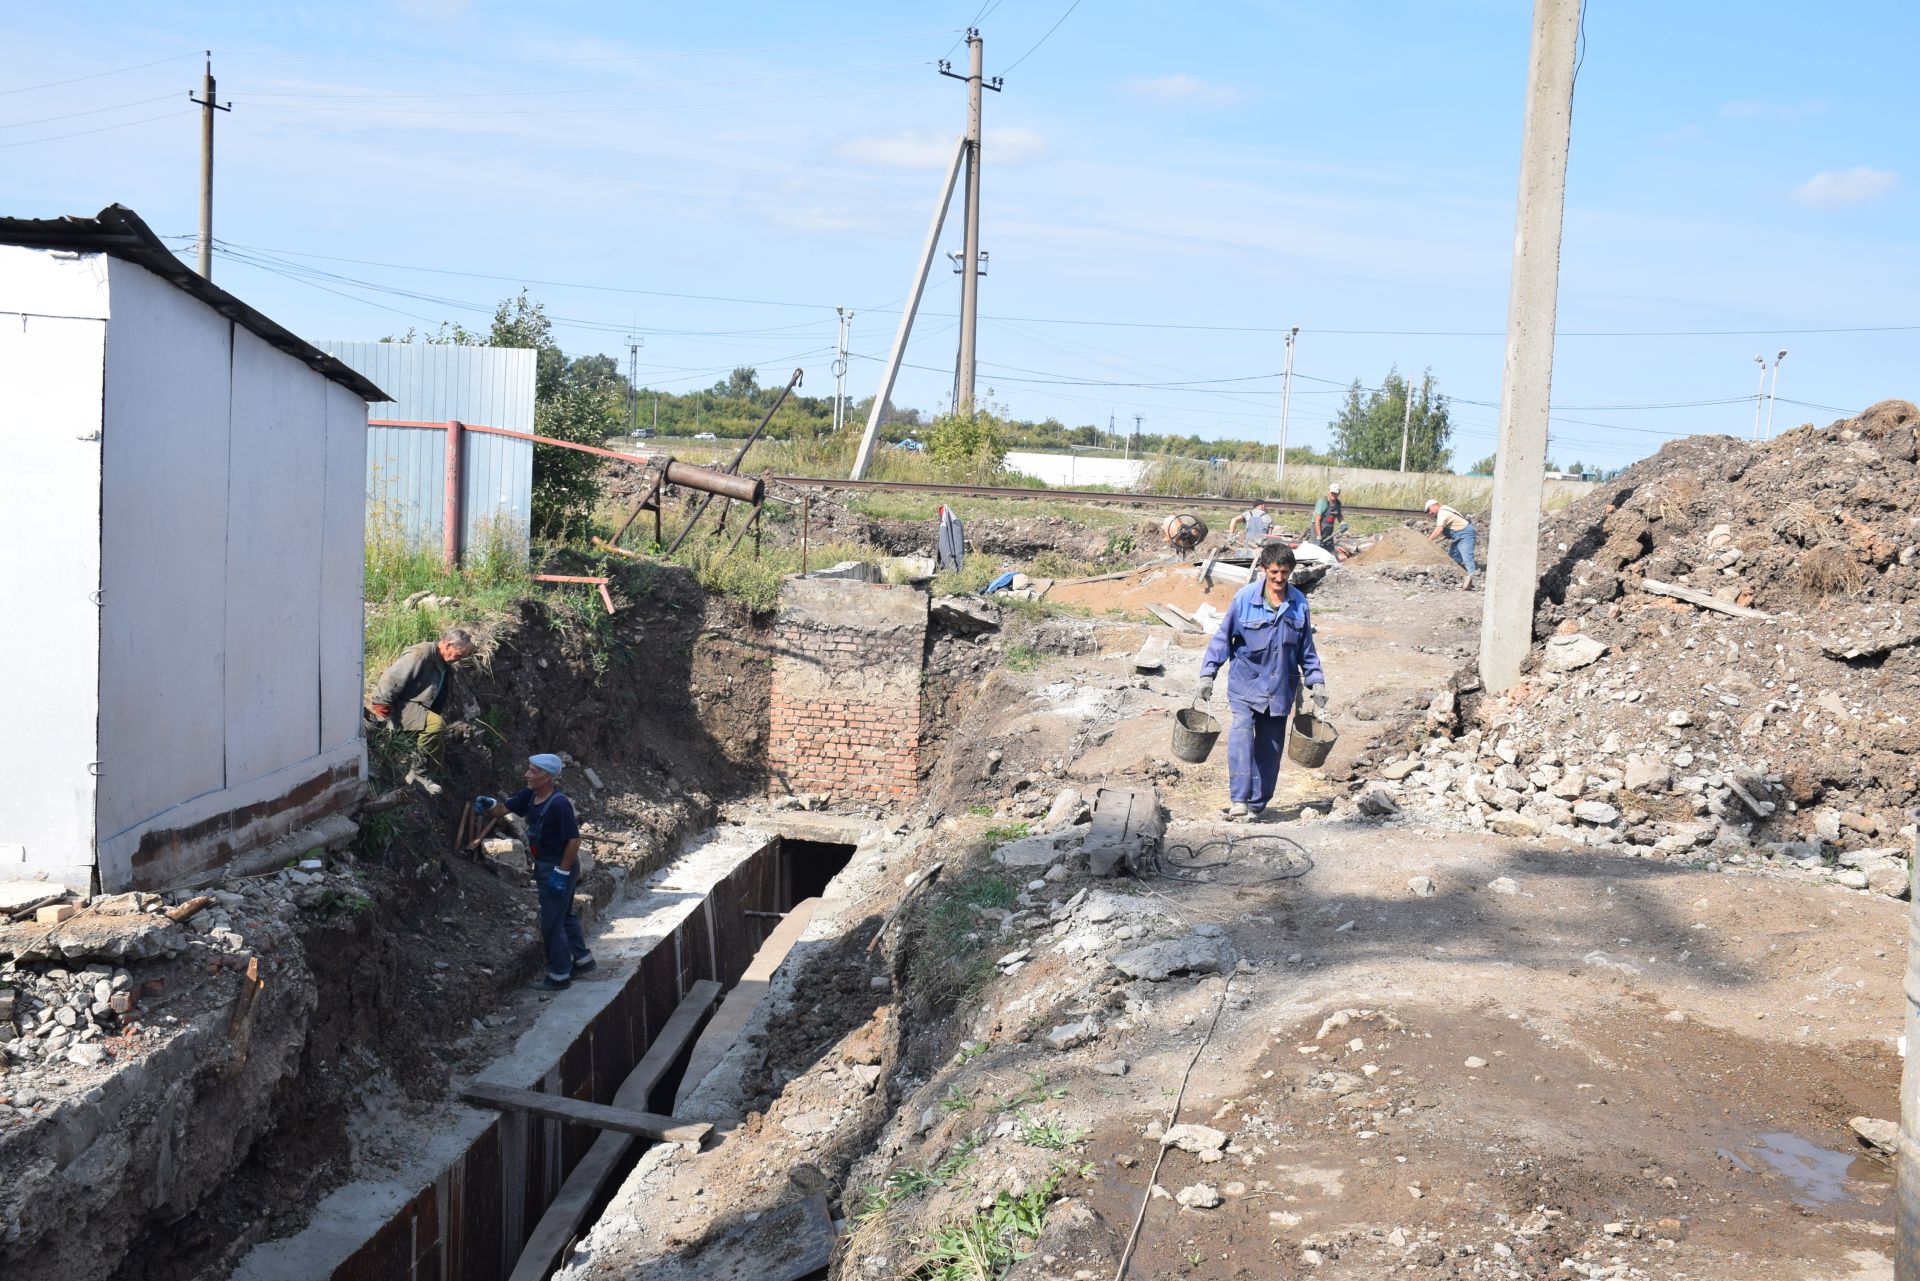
81, 133
1043, 39
91, 111
117, 71
532, 62
465, 112
261, 98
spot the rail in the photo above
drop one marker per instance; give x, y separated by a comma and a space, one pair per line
1069, 495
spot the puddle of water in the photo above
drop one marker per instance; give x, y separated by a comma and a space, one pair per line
1818, 1176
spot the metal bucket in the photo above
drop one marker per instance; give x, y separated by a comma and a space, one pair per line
1194, 734
1312, 740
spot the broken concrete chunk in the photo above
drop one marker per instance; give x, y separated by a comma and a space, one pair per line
1504, 885
1194, 1138
1065, 810
1515, 825
1571, 653
1394, 771
1200, 1196
1598, 812
1068, 1035
1204, 950
1647, 774
1422, 887
1112, 1067
818, 1121
1378, 803
1881, 1136
1030, 851
54, 913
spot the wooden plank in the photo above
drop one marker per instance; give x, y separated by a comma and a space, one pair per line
1171, 619
1701, 599
569, 1209
743, 1000
1152, 656
558, 1107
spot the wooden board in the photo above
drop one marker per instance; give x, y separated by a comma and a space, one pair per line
1701, 599
1171, 619
558, 1107
1152, 656
582, 1189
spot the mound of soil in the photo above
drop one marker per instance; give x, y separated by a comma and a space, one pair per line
1400, 547
1660, 723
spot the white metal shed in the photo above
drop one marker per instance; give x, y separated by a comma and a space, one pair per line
182, 509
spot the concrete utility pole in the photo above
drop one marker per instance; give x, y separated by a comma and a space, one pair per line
1774, 391
840, 371
633, 383
1286, 398
907, 314
1406, 422
1759, 393
1513, 554
970, 253
207, 107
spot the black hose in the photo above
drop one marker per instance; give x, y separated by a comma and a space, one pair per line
1232, 860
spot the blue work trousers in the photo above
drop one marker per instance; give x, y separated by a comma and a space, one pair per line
1255, 742
1460, 547
560, 933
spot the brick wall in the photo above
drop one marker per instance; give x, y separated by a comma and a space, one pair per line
844, 720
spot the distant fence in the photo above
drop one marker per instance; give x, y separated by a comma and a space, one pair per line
411, 454
1077, 471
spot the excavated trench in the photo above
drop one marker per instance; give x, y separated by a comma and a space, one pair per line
466, 1207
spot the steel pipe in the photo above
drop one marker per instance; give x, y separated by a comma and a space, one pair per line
712, 480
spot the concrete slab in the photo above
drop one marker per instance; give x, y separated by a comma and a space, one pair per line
20, 897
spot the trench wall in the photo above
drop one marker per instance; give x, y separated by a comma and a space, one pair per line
844, 716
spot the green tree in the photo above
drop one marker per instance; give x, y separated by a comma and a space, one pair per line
574, 400
1367, 431
1485, 466
969, 446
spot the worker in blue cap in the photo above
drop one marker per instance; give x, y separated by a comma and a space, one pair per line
553, 839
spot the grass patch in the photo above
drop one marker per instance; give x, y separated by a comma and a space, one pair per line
951, 937
1001, 835
1022, 658
1828, 570
1048, 1133
984, 1245
912, 1180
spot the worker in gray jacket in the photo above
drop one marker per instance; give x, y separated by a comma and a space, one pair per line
413, 691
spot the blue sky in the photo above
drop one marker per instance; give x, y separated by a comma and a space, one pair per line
1241, 166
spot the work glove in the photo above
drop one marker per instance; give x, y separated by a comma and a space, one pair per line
558, 881
483, 805
1319, 693
1203, 692
381, 710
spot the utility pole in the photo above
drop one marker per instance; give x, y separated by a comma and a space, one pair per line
207, 107
1406, 422
1286, 398
1513, 551
907, 313
1774, 391
970, 253
1110, 431
1760, 393
633, 383
840, 371
1137, 420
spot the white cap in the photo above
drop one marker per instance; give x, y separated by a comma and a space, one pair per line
1433, 502
1333, 489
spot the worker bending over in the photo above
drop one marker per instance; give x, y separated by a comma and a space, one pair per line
1459, 532
1258, 524
1327, 517
415, 685
553, 839
1266, 643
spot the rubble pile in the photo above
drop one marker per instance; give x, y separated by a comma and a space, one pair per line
1726, 664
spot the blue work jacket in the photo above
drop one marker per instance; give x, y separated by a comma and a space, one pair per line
1262, 648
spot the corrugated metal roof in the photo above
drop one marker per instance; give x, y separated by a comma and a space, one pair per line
119, 231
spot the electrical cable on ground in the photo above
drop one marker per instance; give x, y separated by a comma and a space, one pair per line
1173, 1117
1232, 860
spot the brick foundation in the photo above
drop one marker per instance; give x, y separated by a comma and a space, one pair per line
844, 720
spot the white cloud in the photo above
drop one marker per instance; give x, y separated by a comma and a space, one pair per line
1755, 109
1011, 147
1846, 186
1184, 89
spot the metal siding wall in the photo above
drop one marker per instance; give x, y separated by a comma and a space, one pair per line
163, 532
274, 557
432, 382
342, 568
50, 379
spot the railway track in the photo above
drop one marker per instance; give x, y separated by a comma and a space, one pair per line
1069, 495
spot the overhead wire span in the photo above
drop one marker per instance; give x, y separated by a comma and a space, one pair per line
1043, 39
258, 99
97, 75
598, 58
91, 111
81, 133
465, 112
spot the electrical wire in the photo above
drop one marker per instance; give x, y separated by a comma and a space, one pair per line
81, 133
1043, 39
91, 111
466, 112
258, 99
532, 62
117, 71
1232, 860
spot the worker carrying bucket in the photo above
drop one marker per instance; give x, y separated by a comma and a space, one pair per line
1266, 643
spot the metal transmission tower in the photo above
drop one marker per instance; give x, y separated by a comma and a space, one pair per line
207, 107
840, 370
970, 259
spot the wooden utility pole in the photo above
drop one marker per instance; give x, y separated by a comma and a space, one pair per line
207, 107
1519, 469
970, 253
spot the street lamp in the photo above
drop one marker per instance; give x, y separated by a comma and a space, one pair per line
1774, 390
1760, 394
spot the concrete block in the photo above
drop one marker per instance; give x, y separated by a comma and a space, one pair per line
54, 914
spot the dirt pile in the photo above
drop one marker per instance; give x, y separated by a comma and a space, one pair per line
1647, 720
1403, 552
